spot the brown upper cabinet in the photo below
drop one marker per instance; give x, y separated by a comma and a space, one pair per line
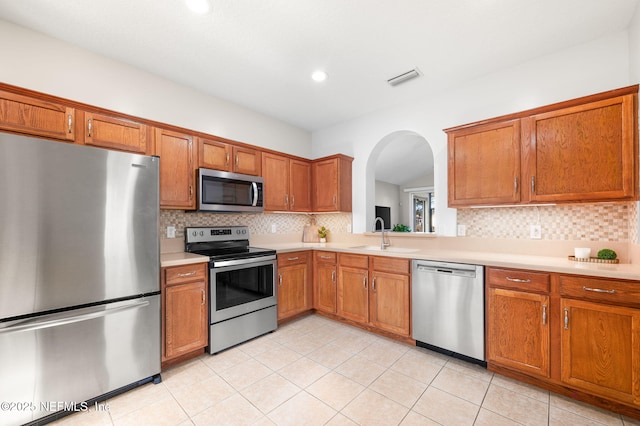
221, 155
115, 133
177, 171
332, 184
287, 183
31, 116
583, 150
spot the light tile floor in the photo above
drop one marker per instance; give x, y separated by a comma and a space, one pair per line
315, 371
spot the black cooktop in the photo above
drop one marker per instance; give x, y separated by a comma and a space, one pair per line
246, 253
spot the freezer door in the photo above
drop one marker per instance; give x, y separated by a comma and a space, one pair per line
79, 225
73, 356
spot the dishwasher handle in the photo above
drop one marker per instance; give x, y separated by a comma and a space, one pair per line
459, 272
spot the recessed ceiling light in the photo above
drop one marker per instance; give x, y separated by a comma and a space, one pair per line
319, 76
198, 6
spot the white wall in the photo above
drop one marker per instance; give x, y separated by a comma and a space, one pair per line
579, 71
38, 62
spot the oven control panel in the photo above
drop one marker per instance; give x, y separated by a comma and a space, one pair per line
202, 234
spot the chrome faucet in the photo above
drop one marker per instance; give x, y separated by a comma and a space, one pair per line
383, 244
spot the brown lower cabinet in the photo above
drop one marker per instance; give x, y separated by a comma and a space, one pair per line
325, 281
184, 311
575, 335
294, 284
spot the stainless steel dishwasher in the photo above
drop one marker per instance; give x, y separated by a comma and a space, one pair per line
448, 308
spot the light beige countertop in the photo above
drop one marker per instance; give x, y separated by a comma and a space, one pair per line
520, 261
181, 258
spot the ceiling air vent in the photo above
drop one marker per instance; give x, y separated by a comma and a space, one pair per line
404, 77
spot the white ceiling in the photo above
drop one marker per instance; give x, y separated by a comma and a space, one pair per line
260, 53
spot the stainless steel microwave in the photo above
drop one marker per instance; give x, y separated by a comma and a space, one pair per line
229, 192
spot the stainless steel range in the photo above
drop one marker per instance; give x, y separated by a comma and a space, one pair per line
242, 284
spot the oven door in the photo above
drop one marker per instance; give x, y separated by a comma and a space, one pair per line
241, 286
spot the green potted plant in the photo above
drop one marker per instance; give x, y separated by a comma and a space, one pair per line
322, 233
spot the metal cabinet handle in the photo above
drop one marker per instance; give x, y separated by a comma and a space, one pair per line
333, 276
227, 159
326, 257
599, 290
293, 258
286, 200
89, 126
373, 284
237, 162
69, 122
364, 282
188, 274
293, 200
533, 184
335, 200
279, 279
518, 280
544, 314
203, 297
515, 185
566, 318
190, 192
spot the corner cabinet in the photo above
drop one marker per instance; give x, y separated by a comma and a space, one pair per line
582, 150
332, 184
184, 311
295, 292
177, 171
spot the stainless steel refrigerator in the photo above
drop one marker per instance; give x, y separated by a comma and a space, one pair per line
79, 275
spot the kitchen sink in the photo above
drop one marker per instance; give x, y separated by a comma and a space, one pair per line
389, 249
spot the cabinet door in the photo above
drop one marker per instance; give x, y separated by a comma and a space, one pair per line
247, 161
30, 116
292, 290
325, 175
275, 171
600, 349
583, 153
484, 164
300, 185
353, 294
177, 173
390, 302
214, 154
518, 331
114, 133
185, 318
325, 281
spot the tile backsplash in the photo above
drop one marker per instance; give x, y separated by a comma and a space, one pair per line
258, 223
588, 222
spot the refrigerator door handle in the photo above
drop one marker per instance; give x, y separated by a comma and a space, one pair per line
69, 317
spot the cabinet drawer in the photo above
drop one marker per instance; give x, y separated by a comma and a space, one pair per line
354, 260
391, 264
518, 280
325, 257
294, 258
181, 274
616, 291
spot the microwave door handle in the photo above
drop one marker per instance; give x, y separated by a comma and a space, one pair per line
254, 186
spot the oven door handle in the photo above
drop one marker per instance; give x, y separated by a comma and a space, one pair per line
249, 262
254, 187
